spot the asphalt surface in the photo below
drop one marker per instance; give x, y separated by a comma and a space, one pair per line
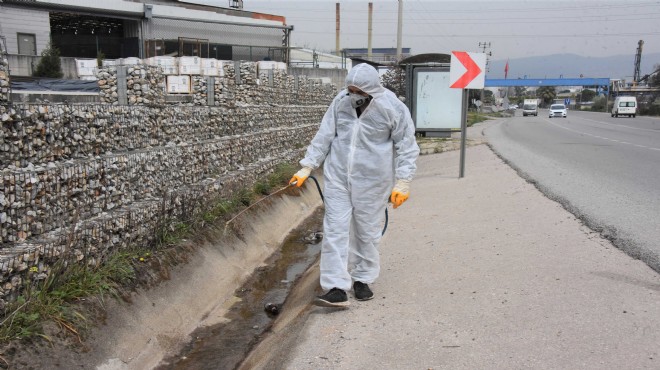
601, 168
485, 272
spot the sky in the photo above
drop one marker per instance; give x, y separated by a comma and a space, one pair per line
509, 28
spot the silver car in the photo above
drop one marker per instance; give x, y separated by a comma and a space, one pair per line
557, 110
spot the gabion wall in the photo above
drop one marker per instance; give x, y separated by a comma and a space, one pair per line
88, 179
4, 77
145, 85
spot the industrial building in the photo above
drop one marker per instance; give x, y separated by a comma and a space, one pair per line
136, 28
377, 55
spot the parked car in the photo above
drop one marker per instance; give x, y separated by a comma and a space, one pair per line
557, 110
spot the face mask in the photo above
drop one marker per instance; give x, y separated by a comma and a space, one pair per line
358, 100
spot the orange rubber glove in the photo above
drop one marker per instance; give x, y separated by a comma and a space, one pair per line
300, 176
400, 193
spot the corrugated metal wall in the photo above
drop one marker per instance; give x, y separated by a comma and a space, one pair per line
20, 20
233, 41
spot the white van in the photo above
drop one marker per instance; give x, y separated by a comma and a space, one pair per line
625, 105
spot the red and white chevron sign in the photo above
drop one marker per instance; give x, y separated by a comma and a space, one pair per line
467, 70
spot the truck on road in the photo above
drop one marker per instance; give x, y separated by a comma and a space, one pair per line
530, 107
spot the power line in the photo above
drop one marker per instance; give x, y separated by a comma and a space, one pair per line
437, 36
522, 36
562, 36
489, 21
562, 9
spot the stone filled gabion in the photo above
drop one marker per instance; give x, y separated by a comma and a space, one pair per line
4, 78
219, 87
39, 198
107, 81
199, 90
81, 180
38, 134
145, 85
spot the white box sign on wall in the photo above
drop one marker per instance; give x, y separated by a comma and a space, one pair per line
178, 84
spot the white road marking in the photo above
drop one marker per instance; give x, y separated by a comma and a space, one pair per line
614, 124
601, 137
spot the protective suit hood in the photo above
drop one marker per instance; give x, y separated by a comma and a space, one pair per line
366, 78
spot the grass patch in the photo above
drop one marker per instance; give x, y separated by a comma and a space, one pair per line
54, 297
424, 140
174, 233
244, 197
474, 117
225, 208
220, 209
282, 174
262, 188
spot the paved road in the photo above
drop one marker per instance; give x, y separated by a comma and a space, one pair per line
604, 169
483, 272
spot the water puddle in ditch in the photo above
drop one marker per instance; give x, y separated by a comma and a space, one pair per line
225, 345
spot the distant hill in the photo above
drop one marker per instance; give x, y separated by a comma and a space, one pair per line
571, 66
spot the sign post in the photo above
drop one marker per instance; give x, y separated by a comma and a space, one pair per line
461, 169
466, 71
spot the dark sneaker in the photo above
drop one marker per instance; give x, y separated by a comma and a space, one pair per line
362, 291
334, 298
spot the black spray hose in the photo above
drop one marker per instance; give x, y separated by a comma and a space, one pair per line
318, 187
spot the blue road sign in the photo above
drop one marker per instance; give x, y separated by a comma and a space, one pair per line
567, 101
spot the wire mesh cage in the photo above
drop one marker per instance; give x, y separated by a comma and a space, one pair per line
5, 86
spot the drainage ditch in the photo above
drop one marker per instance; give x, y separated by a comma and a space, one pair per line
225, 345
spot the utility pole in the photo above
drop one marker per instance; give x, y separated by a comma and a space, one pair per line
399, 31
483, 46
371, 10
337, 51
638, 62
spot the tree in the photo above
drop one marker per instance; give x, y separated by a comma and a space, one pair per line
100, 57
50, 64
546, 93
654, 80
586, 95
599, 104
395, 80
520, 90
489, 97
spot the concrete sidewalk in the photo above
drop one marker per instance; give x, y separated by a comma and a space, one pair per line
485, 272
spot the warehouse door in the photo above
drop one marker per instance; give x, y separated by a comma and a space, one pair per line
27, 44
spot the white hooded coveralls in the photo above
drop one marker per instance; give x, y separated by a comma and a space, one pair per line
363, 158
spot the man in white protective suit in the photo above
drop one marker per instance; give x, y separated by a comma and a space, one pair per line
367, 140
